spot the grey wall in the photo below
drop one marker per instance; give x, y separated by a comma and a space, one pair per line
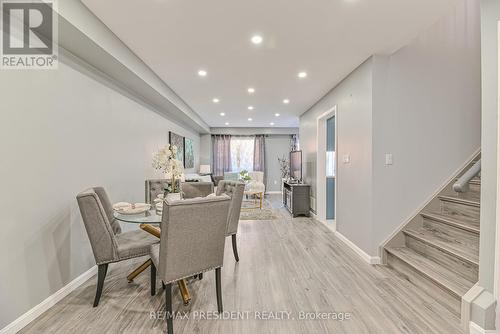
421, 104
61, 132
276, 146
205, 149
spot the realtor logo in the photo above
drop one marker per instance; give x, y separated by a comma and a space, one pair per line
29, 33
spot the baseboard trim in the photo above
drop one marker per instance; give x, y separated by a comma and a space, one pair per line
476, 329
365, 256
273, 192
50, 301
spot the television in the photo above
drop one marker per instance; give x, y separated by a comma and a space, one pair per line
296, 165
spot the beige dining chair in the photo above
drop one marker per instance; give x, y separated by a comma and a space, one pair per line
108, 243
196, 189
191, 242
235, 190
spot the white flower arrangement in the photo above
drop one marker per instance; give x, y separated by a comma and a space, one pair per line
165, 161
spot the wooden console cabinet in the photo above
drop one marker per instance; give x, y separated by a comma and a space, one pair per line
296, 198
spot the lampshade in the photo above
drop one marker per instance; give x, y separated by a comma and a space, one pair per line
204, 169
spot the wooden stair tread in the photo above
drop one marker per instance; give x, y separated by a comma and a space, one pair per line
444, 277
460, 200
465, 223
463, 246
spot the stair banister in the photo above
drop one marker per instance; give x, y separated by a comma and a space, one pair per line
462, 184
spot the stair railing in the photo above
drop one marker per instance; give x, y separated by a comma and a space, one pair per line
462, 184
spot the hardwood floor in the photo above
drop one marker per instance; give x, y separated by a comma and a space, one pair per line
285, 265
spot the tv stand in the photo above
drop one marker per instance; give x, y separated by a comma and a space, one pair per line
296, 198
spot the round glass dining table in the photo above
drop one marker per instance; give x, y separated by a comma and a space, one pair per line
148, 217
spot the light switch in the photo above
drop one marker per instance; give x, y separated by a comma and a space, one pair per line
388, 159
346, 158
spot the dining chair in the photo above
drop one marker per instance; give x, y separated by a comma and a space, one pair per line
191, 242
196, 189
154, 187
235, 190
108, 243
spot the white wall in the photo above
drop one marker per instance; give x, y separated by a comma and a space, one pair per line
422, 104
61, 132
353, 97
276, 146
427, 114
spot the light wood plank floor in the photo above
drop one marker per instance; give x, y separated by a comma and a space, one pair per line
285, 265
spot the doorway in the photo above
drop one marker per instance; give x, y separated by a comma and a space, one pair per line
326, 171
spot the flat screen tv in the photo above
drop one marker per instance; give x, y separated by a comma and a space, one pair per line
296, 165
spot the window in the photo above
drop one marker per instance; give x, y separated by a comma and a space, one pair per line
242, 153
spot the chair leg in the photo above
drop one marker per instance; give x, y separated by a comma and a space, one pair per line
235, 248
102, 269
168, 306
218, 289
153, 280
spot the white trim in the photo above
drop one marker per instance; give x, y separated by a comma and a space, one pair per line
273, 192
426, 202
496, 269
476, 329
365, 256
50, 301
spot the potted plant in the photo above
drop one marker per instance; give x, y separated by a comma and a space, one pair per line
173, 169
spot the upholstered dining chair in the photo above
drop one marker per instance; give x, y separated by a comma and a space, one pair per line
108, 243
196, 189
154, 187
234, 190
191, 242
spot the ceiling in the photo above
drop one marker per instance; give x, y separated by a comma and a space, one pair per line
325, 38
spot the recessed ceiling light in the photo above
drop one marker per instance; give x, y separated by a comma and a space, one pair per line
250, 107
215, 100
277, 115
202, 73
251, 90
227, 123
257, 39
302, 74
271, 124
250, 119
286, 101
222, 114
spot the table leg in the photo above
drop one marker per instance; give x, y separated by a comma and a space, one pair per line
138, 270
261, 195
186, 296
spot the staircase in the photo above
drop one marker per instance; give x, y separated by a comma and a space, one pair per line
438, 250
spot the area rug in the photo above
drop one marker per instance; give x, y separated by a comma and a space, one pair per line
267, 212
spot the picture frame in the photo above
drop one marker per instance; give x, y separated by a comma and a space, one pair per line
178, 141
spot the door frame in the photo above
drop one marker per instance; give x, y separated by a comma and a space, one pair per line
321, 167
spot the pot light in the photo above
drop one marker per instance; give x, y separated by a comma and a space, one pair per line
222, 114
250, 107
302, 75
215, 100
271, 124
202, 73
257, 39
250, 119
251, 90
227, 123
286, 101
277, 115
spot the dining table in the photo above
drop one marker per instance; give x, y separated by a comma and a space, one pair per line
149, 221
